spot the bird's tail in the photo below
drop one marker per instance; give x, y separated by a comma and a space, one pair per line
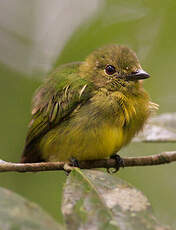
31, 154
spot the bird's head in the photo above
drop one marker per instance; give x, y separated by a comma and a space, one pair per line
113, 64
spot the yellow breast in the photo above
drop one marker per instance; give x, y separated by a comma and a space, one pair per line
98, 130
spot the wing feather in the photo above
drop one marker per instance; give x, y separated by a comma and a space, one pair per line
53, 101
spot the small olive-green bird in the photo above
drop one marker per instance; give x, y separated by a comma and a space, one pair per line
88, 110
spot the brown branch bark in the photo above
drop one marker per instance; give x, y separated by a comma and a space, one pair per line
162, 158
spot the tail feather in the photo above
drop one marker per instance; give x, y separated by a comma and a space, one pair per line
31, 154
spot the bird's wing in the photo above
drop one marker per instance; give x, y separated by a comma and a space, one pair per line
61, 93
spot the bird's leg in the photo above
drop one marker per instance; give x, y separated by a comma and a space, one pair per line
74, 162
119, 163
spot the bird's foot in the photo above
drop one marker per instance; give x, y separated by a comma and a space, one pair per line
119, 163
74, 162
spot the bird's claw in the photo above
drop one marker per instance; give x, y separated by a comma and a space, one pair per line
119, 163
74, 162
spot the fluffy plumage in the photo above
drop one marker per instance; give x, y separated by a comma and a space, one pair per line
84, 112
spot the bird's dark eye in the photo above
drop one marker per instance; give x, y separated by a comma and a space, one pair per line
110, 69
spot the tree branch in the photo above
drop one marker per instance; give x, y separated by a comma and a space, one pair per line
162, 158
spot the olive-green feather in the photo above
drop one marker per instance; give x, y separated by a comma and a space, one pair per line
59, 95
89, 110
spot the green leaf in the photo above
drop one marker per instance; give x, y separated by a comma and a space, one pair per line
161, 128
83, 207
96, 200
17, 213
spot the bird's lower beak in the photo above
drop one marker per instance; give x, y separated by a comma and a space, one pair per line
138, 75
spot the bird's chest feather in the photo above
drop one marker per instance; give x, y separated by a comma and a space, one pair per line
117, 117
97, 129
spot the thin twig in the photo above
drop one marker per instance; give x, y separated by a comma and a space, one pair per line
162, 158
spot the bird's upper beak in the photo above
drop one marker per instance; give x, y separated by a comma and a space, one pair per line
138, 75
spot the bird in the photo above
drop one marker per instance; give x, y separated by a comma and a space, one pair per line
88, 110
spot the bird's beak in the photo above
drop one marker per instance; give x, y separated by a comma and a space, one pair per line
138, 75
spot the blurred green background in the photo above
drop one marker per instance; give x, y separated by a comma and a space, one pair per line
36, 36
